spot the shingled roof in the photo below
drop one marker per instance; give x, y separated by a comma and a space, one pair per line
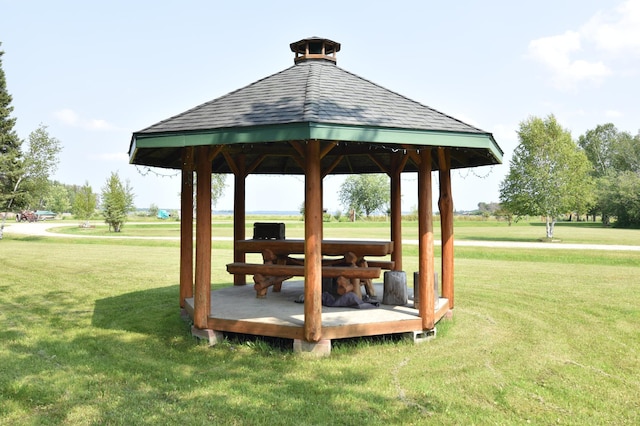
314, 99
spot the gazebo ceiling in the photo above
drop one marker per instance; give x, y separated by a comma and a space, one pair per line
314, 99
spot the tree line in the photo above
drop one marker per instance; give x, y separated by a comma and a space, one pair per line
550, 174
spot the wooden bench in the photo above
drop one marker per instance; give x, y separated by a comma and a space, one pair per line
382, 264
266, 275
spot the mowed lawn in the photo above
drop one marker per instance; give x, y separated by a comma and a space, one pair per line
90, 333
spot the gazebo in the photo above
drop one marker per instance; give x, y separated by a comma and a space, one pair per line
312, 119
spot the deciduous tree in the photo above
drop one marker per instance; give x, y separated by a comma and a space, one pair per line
548, 174
117, 202
57, 198
365, 193
84, 203
625, 199
615, 157
40, 161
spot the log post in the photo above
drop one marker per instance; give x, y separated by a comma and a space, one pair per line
396, 211
425, 242
445, 203
239, 215
202, 296
186, 226
313, 244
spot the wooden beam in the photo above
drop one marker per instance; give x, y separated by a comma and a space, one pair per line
186, 226
313, 244
445, 203
332, 166
231, 163
381, 166
414, 157
299, 161
256, 328
298, 147
370, 329
202, 296
425, 242
300, 150
214, 151
327, 148
403, 161
239, 214
397, 163
255, 164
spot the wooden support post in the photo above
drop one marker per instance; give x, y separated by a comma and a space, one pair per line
396, 210
239, 214
186, 226
202, 296
445, 203
313, 244
425, 242
321, 204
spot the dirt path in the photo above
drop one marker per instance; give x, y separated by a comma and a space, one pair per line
41, 229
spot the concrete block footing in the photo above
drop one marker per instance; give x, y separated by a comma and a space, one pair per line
421, 336
211, 336
319, 348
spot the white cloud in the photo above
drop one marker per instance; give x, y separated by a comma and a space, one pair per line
617, 31
578, 56
66, 116
556, 53
98, 124
71, 118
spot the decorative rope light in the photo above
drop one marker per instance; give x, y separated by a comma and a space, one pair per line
146, 171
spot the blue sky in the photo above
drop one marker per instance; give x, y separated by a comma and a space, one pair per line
96, 72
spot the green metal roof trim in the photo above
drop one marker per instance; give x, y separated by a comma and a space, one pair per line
307, 131
359, 144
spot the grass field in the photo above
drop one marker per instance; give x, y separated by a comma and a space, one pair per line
90, 333
490, 230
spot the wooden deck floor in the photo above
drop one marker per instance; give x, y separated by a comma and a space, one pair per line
236, 309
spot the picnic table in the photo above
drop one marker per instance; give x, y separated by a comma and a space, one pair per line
346, 260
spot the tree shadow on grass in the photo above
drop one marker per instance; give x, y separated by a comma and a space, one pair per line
152, 312
28, 238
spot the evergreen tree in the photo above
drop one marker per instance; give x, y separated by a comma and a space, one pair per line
10, 146
10, 151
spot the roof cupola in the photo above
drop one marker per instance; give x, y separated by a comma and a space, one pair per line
315, 48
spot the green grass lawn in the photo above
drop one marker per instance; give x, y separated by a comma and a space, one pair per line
490, 230
90, 333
